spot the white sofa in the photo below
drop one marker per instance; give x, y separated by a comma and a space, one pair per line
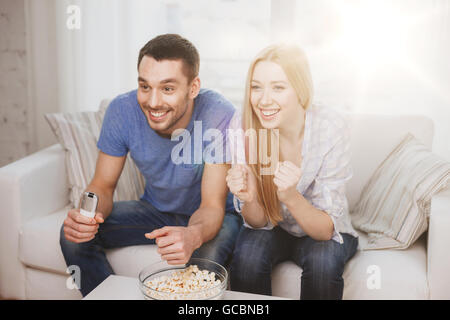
34, 198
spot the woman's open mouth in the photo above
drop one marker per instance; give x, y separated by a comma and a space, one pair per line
269, 114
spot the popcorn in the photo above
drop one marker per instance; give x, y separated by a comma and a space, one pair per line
189, 283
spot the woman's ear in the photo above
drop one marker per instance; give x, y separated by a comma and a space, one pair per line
195, 88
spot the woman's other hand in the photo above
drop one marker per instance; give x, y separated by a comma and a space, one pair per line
242, 182
286, 178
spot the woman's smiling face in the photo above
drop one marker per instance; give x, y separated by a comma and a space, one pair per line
272, 97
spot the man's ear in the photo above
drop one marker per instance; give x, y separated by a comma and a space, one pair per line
195, 87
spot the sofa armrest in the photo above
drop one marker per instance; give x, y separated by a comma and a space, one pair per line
30, 187
37, 184
438, 244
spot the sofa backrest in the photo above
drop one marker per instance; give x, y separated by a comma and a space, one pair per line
373, 137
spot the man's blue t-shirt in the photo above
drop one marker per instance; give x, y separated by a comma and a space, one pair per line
172, 168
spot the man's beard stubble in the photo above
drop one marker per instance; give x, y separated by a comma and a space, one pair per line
163, 132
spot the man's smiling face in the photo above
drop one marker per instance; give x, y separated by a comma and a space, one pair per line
165, 94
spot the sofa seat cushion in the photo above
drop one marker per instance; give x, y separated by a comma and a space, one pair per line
402, 274
40, 249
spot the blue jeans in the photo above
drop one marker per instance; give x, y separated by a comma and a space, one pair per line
126, 226
257, 251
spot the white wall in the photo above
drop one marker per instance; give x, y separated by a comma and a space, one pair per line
43, 84
46, 67
14, 111
381, 56
28, 78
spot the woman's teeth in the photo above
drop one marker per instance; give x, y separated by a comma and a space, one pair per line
269, 112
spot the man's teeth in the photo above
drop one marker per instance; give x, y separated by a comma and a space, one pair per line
158, 114
269, 112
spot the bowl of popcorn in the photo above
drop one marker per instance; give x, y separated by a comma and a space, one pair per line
199, 279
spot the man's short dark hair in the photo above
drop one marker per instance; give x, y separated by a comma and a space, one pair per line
173, 47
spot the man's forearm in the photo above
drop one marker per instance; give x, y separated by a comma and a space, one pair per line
205, 224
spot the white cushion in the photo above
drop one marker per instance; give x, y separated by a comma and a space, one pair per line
54, 284
40, 249
39, 242
402, 274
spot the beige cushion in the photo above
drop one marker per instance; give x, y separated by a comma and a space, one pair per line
369, 150
394, 204
78, 134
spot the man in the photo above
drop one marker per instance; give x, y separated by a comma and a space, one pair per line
186, 208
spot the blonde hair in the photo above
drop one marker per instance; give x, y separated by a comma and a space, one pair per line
294, 63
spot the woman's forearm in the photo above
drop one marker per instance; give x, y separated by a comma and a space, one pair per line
314, 222
253, 213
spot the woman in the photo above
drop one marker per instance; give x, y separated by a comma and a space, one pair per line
299, 211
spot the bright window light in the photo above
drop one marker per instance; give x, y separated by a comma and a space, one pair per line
373, 32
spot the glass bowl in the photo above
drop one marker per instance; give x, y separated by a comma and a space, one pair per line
156, 271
